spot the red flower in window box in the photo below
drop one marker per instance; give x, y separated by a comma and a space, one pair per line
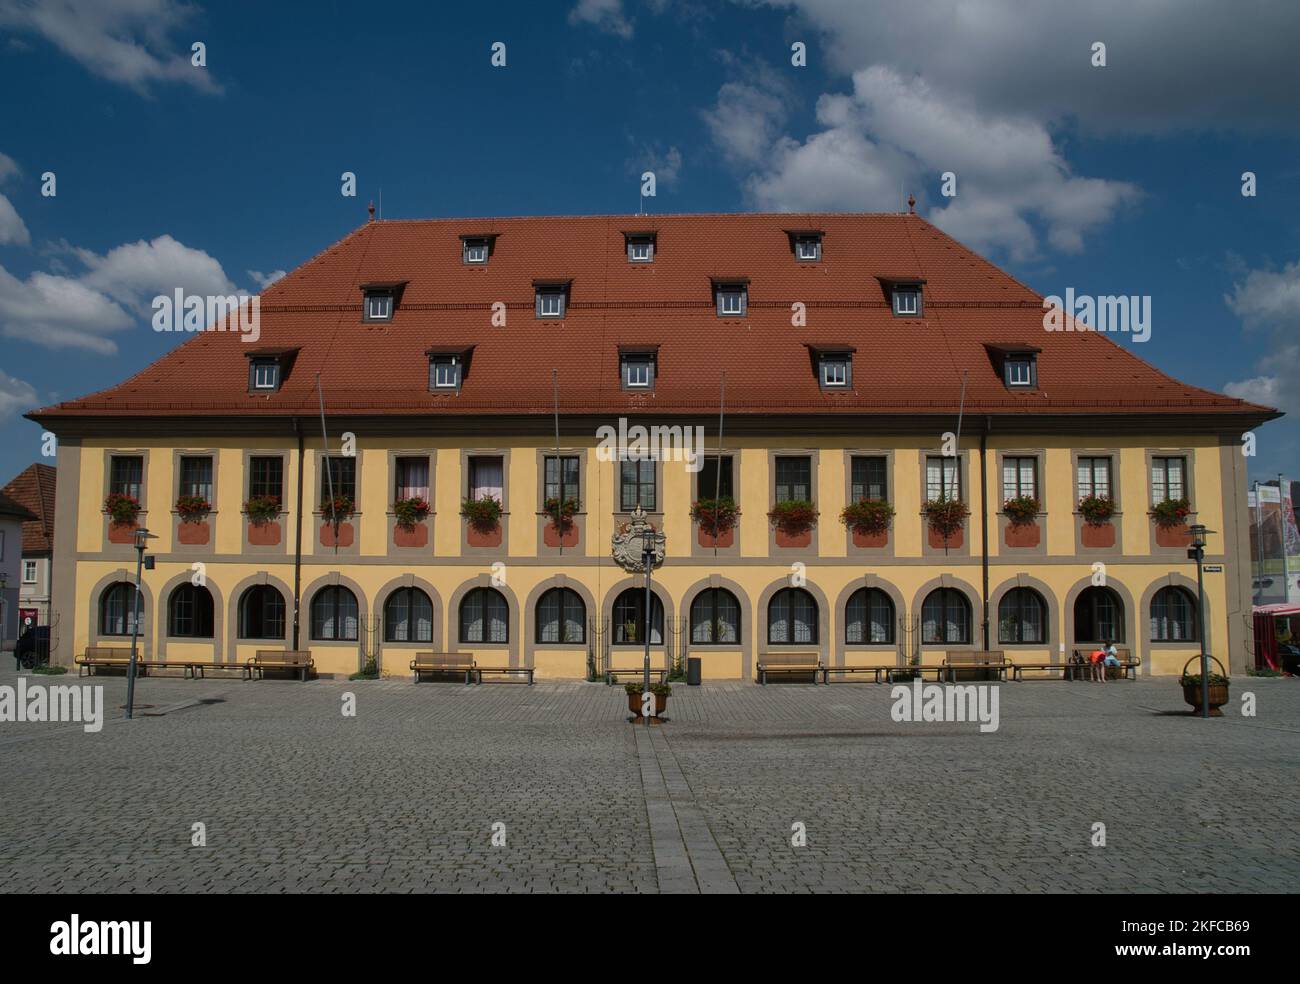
122, 508
410, 512
716, 519
192, 508
794, 521
945, 517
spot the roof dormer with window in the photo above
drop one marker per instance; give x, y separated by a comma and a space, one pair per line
640, 246
448, 367
806, 244
380, 300
638, 365
477, 248
904, 294
268, 368
731, 296
833, 366
551, 300
1016, 363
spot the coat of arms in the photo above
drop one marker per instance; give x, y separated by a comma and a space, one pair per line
631, 540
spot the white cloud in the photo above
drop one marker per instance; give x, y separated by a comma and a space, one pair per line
265, 280
749, 115
125, 41
666, 164
605, 15
894, 135
16, 396
114, 293
13, 231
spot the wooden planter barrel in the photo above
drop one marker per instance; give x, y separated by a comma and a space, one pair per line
1194, 693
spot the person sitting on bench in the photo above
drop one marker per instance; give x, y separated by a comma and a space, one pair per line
1109, 658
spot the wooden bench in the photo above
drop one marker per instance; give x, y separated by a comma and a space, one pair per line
430, 663
98, 657
295, 661
920, 671
200, 668
976, 659
611, 676
1128, 664
480, 670
144, 665
809, 662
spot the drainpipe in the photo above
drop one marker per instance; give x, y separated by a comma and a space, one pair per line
984, 521
297, 543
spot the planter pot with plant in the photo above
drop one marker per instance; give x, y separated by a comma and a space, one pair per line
483, 518
193, 511
122, 511
1195, 694
263, 512
1097, 512
561, 529
661, 692
945, 518
409, 516
1022, 526
1170, 517
335, 529
794, 520
715, 520
868, 520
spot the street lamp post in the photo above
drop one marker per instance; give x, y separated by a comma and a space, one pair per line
1197, 553
141, 535
648, 561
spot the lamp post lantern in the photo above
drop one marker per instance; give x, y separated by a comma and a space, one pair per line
648, 559
1197, 552
141, 536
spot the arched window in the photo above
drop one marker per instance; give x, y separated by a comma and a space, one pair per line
261, 613
408, 616
792, 618
561, 616
334, 614
1022, 617
484, 616
117, 610
1173, 616
629, 618
868, 618
1098, 616
189, 612
715, 617
945, 617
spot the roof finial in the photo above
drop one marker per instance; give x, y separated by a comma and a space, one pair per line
911, 204
372, 211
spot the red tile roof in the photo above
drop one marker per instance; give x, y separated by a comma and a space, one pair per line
33, 491
903, 365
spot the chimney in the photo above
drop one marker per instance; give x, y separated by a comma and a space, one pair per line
372, 211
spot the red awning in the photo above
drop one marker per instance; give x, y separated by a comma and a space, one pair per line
1279, 609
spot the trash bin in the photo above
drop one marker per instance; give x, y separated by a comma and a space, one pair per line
692, 671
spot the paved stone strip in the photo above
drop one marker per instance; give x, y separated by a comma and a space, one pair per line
687, 859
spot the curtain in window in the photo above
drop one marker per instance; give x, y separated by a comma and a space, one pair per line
196, 477
408, 616
117, 610
941, 478
334, 614
483, 617
486, 478
561, 617
715, 617
869, 618
1173, 617
945, 617
792, 617
413, 478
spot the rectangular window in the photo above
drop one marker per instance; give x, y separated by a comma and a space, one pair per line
794, 479
711, 484
732, 302
1167, 479
565, 466
942, 478
1094, 477
379, 307
869, 479
196, 476
550, 304
476, 251
638, 371
411, 478
1019, 477
907, 302
343, 474
29, 572
835, 372
266, 374
444, 372
808, 249
126, 475
637, 485
641, 250
487, 477
1020, 372
266, 477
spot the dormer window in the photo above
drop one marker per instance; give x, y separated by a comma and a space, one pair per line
835, 371
264, 374
806, 244
475, 250
732, 298
447, 369
1016, 362
637, 370
907, 301
1020, 371
640, 247
552, 299
379, 306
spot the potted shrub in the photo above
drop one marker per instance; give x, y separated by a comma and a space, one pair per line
122, 511
1194, 692
1021, 511
262, 511
561, 530
1097, 510
629, 632
661, 692
193, 509
869, 521
794, 520
945, 517
1171, 522
716, 519
336, 532
409, 515
483, 515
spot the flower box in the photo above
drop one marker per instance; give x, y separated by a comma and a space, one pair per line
343, 539
410, 536
265, 534
193, 533
1022, 535
1097, 535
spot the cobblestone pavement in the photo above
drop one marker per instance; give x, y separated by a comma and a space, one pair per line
403, 797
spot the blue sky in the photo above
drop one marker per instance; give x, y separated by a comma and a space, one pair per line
1117, 179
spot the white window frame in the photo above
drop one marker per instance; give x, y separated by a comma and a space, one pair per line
638, 372
544, 298
446, 362
808, 242
30, 565
837, 379
385, 301
476, 251
641, 250
725, 296
1020, 372
910, 294
266, 375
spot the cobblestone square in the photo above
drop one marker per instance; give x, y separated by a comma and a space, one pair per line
403, 797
